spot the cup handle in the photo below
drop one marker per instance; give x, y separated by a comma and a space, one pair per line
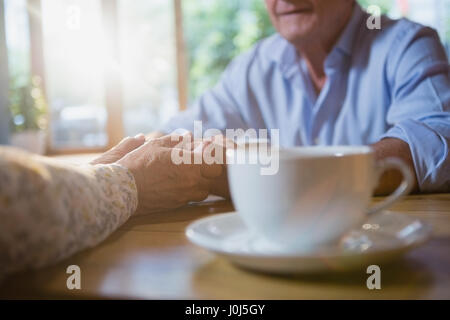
403, 189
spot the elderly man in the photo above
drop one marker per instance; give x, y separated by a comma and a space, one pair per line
327, 79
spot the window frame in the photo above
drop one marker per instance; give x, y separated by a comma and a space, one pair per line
113, 85
4, 79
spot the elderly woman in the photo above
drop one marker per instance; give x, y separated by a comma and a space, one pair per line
50, 210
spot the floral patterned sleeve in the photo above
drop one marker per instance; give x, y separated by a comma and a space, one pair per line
50, 210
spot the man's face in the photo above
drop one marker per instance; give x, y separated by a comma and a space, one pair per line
300, 20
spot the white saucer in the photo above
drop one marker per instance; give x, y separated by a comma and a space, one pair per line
382, 238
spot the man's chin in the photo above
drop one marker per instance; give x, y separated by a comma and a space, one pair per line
296, 37
295, 32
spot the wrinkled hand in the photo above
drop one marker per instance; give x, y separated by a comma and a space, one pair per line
120, 150
161, 183
219, 185
208, 147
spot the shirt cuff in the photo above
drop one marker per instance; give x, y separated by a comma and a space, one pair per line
429, 150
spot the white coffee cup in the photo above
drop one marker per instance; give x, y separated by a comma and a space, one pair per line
317, 194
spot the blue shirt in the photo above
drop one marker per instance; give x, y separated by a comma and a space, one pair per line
393, 82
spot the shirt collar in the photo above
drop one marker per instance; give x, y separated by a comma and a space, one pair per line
280, 51
347, 38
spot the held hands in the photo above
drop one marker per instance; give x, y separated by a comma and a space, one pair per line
164, 185
161, 183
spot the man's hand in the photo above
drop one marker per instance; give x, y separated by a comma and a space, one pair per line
161, 183
391, 179
219, 185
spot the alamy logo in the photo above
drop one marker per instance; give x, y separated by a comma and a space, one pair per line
257, 148
73, 18
74, 280
374, 280
374, 21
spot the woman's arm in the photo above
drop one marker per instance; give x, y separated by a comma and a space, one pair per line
50, 210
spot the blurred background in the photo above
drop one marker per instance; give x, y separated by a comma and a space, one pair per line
78, 75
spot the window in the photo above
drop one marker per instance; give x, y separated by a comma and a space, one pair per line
149, 73
19, 60
74, 58
108, 68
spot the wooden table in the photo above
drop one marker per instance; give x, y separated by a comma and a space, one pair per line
150, 257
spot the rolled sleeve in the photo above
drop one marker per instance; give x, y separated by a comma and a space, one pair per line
420, 110
429, 146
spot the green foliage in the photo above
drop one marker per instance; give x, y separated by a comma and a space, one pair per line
217, 31
27, 105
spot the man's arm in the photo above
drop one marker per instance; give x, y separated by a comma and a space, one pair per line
220, 107
419, 78
389, 181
